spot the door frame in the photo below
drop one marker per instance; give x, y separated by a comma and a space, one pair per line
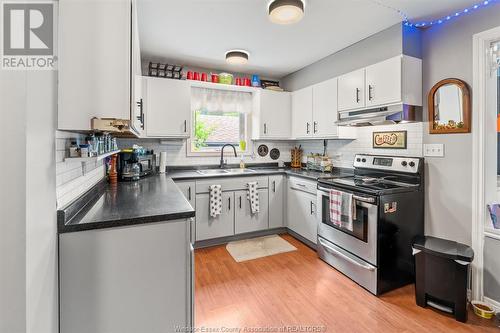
480, 156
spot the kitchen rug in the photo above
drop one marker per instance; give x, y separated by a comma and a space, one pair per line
254, 248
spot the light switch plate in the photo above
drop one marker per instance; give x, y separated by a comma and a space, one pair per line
434, 150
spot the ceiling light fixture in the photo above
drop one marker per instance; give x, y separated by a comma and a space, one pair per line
237, 57
286, 11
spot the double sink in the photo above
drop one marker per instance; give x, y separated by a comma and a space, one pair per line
211, 172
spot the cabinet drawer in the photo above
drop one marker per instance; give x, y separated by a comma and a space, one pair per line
231, 184
302, 185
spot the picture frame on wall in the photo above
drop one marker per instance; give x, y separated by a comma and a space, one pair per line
390, 140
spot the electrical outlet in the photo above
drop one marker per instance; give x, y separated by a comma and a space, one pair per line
434, 150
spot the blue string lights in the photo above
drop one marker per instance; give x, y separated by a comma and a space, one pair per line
447, 18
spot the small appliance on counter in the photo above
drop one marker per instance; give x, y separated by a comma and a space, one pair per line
134, 164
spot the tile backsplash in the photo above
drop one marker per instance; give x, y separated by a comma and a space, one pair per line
72, 178
342, 151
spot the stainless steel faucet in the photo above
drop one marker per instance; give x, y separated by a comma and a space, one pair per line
222, 162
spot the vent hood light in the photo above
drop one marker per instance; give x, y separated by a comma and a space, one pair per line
286, 11
237, 57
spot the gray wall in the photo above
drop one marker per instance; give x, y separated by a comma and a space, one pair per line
12, 203
28, 235
383, 45
447, 52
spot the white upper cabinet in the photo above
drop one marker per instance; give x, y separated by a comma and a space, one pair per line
393, 81
94, 62
137, 102
302, 106
168, 110
351, 90
325, 112
271, 116
383, 82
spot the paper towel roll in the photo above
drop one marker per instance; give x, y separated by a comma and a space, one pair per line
163, 161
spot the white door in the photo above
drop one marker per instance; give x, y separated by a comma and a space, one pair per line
244, 220
169, 108
325, 112
302, 107
383, 82
351, 92
275, 111
94, 62
276, 201
302, 214
208, 227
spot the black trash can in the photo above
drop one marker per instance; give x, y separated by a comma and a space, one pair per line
442, 274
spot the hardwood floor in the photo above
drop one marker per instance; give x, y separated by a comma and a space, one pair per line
297, 288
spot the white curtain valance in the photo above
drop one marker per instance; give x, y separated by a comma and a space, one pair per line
214, 100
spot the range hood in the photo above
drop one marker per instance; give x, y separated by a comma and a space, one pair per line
393, 114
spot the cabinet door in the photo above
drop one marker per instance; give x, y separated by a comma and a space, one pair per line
244, 220
276, 201
275, 111
351, 92
138, 94
302, 214
188, 188
208, 227
169, 108
302, 113
94, 62
383, 82
325, 112
129, 273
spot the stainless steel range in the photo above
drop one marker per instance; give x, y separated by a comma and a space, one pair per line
375, 249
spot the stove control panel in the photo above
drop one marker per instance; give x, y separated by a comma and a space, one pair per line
387, 163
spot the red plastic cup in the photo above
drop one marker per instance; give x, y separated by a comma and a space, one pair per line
204, 77
238, 81
248, 83
189, 75
215, 78
196, 76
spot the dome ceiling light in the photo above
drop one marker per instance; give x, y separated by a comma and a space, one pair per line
286, 11
237, 57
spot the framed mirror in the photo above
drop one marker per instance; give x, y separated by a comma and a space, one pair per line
449, 107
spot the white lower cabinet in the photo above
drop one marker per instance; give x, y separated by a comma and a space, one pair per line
301, 205
128, 279
188, 188
244, 220
208, 227
276, 201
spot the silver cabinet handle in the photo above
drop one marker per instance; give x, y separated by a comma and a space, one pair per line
189, 193
307, 128
357, 95
274, 186
185, 126
312, 204
345, 257
315, 127
265, 128
229, 206
370, 88
240, 201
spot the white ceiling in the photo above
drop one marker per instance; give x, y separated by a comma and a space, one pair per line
199, 32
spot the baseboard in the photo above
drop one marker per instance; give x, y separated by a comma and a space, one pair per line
248, 235
493, 303
301, 239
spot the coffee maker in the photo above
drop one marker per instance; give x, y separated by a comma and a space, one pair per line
134, 164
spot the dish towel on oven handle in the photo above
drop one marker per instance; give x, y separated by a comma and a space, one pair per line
215, 195
342, 209
253, 196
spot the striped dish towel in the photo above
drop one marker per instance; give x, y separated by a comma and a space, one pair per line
336, 207
215, 195
253, 196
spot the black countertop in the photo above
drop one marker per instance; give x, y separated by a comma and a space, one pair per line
152, 199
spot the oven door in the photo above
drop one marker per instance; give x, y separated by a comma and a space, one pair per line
362, 239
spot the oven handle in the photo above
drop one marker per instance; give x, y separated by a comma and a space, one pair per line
345, 257
356, 197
